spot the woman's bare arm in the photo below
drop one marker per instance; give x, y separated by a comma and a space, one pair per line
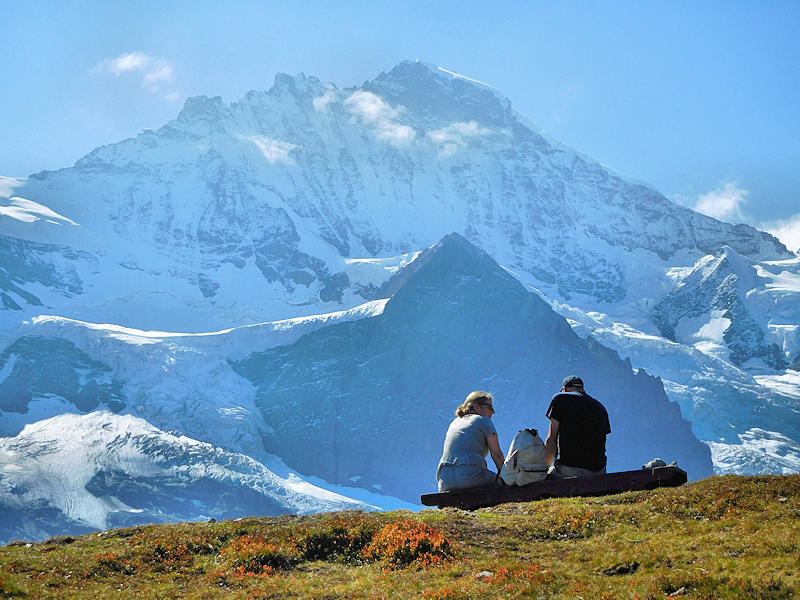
494, 450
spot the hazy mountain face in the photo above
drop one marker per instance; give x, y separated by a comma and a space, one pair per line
307, 199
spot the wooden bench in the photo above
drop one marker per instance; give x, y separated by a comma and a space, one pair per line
611, 483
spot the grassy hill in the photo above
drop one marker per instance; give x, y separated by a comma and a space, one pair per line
722, 537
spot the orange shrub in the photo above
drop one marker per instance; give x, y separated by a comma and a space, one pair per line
408, 541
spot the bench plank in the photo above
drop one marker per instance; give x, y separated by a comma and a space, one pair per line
611, 483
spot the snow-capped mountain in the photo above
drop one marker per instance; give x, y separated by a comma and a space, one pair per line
308, 200
240, 213
720, 307
76, 473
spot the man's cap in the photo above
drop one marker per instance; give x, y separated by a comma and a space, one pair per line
572, 381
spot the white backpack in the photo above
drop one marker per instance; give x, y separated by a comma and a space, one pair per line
526, 459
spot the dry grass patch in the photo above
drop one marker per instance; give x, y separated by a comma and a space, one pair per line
720, 538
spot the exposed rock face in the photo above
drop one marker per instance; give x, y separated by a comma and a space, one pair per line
50, 265
36, 366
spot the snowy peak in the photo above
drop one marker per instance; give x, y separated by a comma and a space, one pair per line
715, 308
744, 269
202, 108
440, 97
104, 470
298, 86
712, 270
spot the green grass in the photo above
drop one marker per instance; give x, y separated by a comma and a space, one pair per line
723, 537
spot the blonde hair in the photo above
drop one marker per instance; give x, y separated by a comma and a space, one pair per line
474, 398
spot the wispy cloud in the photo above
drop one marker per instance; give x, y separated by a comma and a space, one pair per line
727, 203
132, 61
157, 76
786, 230
273, 150
321, 102
724, 203
375, 112
455, 136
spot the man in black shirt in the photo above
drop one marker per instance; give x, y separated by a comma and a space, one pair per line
578, 428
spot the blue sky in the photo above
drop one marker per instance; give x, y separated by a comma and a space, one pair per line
700, 99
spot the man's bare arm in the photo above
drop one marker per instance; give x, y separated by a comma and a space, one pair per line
551, 444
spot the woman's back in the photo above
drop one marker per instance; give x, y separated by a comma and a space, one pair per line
466, 441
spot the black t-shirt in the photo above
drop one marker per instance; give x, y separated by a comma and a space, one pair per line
582, 429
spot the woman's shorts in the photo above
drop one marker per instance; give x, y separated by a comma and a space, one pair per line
462, 477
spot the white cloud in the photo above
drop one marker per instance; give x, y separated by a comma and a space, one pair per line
724, 203
373, 111
396, 133
273, 150
786, 230
371, 107
157, 75
132, 61
455, 136
321, 102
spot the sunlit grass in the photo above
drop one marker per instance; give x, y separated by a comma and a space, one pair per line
724, 537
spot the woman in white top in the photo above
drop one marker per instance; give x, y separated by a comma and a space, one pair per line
470, 437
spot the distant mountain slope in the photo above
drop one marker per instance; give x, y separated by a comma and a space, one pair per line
714, 306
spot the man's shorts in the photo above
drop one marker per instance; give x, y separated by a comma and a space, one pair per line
560, 471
